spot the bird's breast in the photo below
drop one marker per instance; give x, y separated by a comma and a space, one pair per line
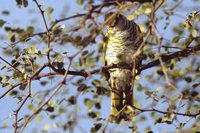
117, 54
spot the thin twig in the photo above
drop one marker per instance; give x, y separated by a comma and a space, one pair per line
59, 86
16, 112
165, 58
38, 71
47, 30
10, 89
165, 112
10, 65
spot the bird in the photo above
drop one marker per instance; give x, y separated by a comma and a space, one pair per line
124, 43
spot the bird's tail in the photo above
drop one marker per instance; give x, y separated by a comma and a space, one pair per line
121, 103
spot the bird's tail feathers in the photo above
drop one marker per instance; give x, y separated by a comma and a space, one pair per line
121, 103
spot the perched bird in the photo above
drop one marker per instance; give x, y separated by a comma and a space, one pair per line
122, 47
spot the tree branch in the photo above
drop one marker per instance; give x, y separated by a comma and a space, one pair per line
165, 58
10, 89
47, 29
176, 55
165, 112
140, 1
16, 112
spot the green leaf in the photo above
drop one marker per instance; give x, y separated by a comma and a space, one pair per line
188, 79
92, 114
177, 73
82, 87
148, 93
50, 109
90, 1
39, 117
84, 53
176, 39
72, 100
96, 127
90, 25
32, 50
25, 3
30, 30
2, 22
13, 93
3, 67
91, 61
1, 79
49, 11
80, 2
23, 86
53, 116
194, 33
5, 124
5, 12
194, 93
43, 83
21, 3
46, 128
5, 84
11, 36
160, 72
30, 106
195, 85
23, 36
96, 83
159, 120
89, 103
98, 105
139, 87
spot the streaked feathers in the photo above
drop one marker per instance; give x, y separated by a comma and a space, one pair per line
123, 40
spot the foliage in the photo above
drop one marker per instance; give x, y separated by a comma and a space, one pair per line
56, 71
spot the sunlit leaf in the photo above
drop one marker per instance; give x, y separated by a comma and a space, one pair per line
40, 117
80, 2
96, 83
30, 106
23, 36
194, 33
139, 87
89, 103
46, 127
2, 22
176, 39
49, 11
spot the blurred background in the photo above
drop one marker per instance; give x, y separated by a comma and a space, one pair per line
83, 104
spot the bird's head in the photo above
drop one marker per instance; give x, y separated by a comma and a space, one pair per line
115, 20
